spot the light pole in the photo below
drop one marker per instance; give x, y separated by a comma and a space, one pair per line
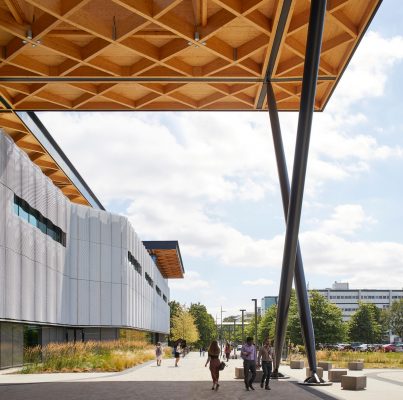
243, 333
255, 300
221, 327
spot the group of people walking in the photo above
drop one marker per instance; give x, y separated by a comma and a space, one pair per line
252, 359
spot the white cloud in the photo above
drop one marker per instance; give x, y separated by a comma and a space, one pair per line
190, 282
258, 282
346, 220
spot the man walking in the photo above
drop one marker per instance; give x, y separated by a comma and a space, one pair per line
248, 353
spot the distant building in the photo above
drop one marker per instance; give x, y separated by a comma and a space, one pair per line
267, 302
347, 299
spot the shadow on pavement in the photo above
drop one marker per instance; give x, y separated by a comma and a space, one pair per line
124, 390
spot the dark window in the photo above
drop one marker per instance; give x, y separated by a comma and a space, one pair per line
149, 280
134, 262
165, 298
35, 218
158, 290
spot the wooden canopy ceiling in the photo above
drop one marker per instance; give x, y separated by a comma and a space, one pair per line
168, 54
168, 257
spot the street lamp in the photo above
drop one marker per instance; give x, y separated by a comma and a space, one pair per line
243, 334
221, 327
255, 300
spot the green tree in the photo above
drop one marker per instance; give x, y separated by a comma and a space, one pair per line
175, 309
267, 325
184, 327
205, 324
327, 320
394, 317
364, 325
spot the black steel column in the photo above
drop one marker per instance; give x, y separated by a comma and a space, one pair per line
299, 278
311, 66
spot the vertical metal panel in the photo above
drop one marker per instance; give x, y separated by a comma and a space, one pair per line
125, 305
61, 258
116, 264
40, 292
83, 223
65, 308
73, 222
106, 260
125, 265
13, 231
2, 279
13, 285
106, 227
95, 303
3, 159
61, 211
95, 226
83, 302
83, 260
40, 247
50, 295
41, 192
106, 303
51, 196
95, 261
125, 232
73, 258
27, 239
59, 298
116, 304
28, 180
51, 253
116, 231
4, 207
27, 289
73, 301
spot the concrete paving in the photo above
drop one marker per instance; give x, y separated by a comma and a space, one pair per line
191, 380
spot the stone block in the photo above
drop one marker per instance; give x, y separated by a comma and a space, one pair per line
297, 364
334, 375
326, 365
353, 382
239, 374
319, 372
355, 365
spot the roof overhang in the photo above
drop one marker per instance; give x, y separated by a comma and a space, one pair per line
169, 54
168, 257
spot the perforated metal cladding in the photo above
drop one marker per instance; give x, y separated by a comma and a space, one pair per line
88, 282
3, 158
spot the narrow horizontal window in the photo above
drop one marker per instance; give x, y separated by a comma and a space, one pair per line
132, 260
36, 219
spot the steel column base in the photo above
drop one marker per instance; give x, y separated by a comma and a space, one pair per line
278, 375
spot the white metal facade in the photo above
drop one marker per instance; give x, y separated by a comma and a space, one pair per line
90, 282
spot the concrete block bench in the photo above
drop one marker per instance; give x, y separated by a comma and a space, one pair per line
297, 364
239, 374
355, 365
326, 365
319, 372
353, 382
334, 375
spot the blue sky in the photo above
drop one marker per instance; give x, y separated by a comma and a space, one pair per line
209, 180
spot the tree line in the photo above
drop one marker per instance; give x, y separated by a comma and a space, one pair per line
368, 324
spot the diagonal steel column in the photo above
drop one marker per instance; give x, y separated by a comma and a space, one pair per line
300, 284
310, 76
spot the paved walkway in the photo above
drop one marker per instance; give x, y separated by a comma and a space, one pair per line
191, 380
